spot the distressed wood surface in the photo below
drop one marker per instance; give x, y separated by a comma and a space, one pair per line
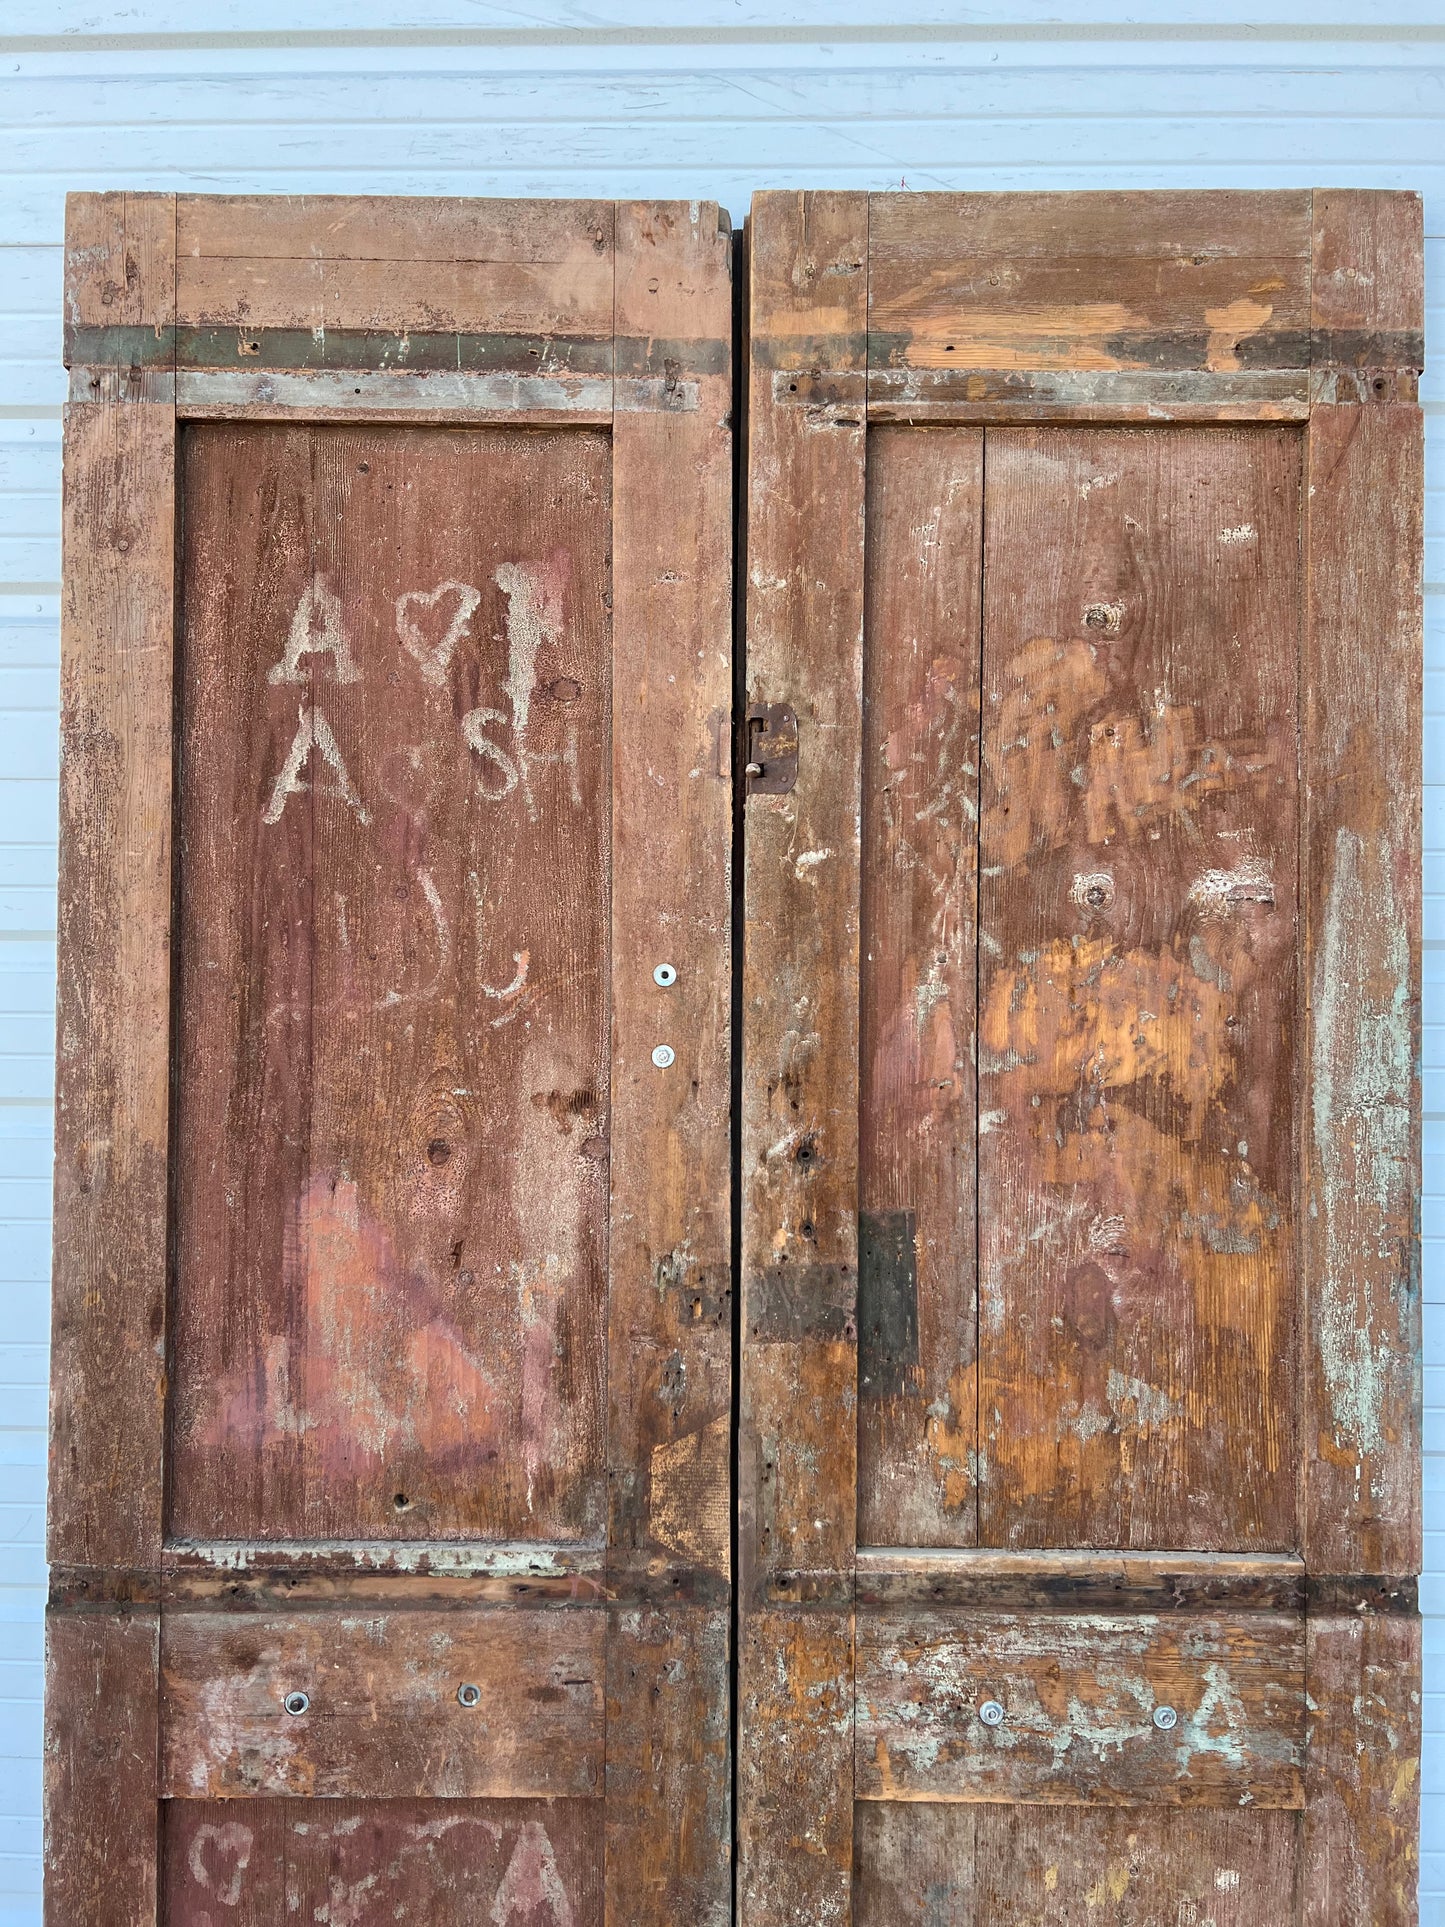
669, 1757
917, 1280
1049, 1576
797, 1445
1367, 294
1360, 1848
1207, 280
1361, 905
114, 917
384, 1720
100, 1768
392, 1110
670, 1306
1079, 1693
400, 265
1136, 1029
1023, 1866
370, 1863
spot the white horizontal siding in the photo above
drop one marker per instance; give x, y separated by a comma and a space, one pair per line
616, 98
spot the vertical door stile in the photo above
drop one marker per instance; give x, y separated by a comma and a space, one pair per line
797, 1470
1360, 741
113, 1075
670, 1319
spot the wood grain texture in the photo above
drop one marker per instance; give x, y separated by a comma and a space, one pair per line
403, 265
100, 1768
371, 1863
1022, 1866
120, 261
1360, 1861
670, 1307
1136, 1034
384, 1720
1079, 1694
669, 1781
392, 1077
1207, 280
1080, 1581
1368, 288
670, 1297
112, 1013
797, 1451
1361, 904
918, 1286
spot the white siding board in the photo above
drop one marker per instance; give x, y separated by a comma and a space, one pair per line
613, 97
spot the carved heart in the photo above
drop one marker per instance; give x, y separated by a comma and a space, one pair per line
233, 1844
433, 658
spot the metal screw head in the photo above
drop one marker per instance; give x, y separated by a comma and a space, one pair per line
665, 975
1165, 1717
662, 1055
469, 1695
991, 1713
296, 1703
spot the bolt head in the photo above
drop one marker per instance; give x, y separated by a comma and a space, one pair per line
1165, 1717
991, 1713
663, 1055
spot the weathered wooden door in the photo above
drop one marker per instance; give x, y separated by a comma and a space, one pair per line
1079, 1374
390, 1500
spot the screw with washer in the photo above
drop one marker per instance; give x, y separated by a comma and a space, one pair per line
1165, 1717
469, 1695
991, 1713
663, 1055
665, 975
296, 1703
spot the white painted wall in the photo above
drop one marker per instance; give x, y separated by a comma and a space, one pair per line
622, 97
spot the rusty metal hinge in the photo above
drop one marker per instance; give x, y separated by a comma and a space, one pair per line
772, 743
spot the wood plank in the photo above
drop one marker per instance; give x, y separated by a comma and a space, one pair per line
669, 1781
670, 1308
1079, 1693
670, 1299
384, 1720
1208, 280
982, 1578
1360, 1848
370, 1863
918, 1399
1368, 289
1361, 905
1137, 1042
120, 262
100, 1768
304, 261
953, 1866
392, 1043
113, 1015
797, 1454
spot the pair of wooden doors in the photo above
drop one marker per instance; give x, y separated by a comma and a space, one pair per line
930, 1437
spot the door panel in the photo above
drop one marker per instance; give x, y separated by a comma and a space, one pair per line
392, 995
391, 1490
374, 1862
1022, 1866
1072, 1644
1137, 1039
